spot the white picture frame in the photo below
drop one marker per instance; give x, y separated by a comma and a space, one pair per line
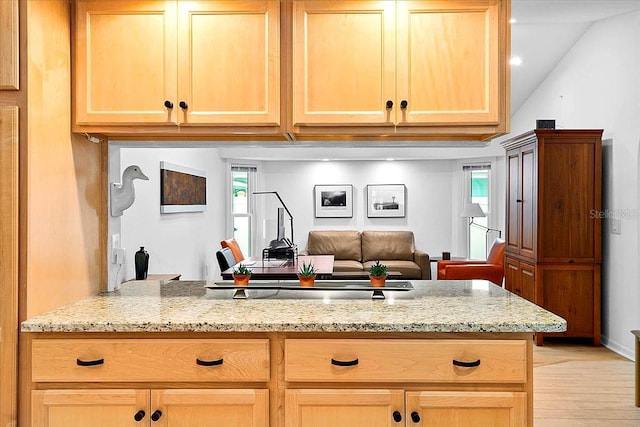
333, 201
386, 200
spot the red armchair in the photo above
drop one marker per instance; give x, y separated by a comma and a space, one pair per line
235, 249
492, 269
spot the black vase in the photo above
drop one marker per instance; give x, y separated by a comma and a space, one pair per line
142, 263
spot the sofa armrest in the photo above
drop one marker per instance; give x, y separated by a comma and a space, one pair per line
422, 259
303, 253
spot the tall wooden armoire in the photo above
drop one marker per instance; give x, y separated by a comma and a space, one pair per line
553, 225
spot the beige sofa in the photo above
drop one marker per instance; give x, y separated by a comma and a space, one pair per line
356, 251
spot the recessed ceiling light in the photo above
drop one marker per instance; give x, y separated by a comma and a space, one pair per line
513, 21
325, 160
516, 60
390, 159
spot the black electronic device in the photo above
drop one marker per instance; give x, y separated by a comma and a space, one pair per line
545, 124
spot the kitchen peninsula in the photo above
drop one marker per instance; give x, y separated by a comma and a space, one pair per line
453, 352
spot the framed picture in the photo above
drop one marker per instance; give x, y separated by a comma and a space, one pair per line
334, 201
385, 200
182, 189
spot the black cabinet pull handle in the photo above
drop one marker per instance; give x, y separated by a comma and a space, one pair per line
209, 362
389, 105
397, 416
415, 417
466, 364
183, 105
353, 362
403, 104
139, 415
518, 200
156, 415
90, 362
168, 104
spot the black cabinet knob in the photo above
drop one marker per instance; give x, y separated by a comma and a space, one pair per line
156, 415
403, 104
139, 415
415, 417
389, 105
397, 416
168, 104
183, 105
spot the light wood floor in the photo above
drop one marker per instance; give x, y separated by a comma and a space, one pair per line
581, 385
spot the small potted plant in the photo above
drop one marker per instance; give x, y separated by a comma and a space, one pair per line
241, 275
307, 274
377, 274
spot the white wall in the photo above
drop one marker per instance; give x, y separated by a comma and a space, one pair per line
429, 188
597, 85
182, 243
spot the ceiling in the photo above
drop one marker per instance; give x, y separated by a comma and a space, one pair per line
544, 31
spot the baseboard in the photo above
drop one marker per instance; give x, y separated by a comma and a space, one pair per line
618, 348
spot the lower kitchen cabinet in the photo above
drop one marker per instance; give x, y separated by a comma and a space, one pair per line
281, 380
335, 407
386, 408
161, 408
466, 408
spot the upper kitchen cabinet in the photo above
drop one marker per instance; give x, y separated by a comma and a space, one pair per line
147, 66
9, 67
422, 68
343, 62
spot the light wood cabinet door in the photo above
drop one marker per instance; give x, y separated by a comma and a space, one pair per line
466, 409
96, 408
9, 48
229, 62
343, 62
186, 408
448, 62
8, 263
353, 408
125, 62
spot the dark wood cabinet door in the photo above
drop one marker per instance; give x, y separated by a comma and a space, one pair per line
571, 292
528, 201
567, 201
512, 276
513, 206
527, 281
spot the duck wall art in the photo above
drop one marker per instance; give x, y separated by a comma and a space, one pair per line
123, 194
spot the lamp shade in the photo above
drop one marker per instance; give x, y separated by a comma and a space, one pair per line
472, 210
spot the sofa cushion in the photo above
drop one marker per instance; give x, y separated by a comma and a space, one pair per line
409, 269
342, 244
346, 265
396, 245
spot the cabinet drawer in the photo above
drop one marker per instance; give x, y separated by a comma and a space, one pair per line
391, 360
96, 360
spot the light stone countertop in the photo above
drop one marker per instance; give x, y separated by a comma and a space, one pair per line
187, 306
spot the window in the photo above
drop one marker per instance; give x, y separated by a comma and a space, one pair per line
242, 208
477, 183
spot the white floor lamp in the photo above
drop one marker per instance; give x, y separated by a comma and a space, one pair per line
473, 210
